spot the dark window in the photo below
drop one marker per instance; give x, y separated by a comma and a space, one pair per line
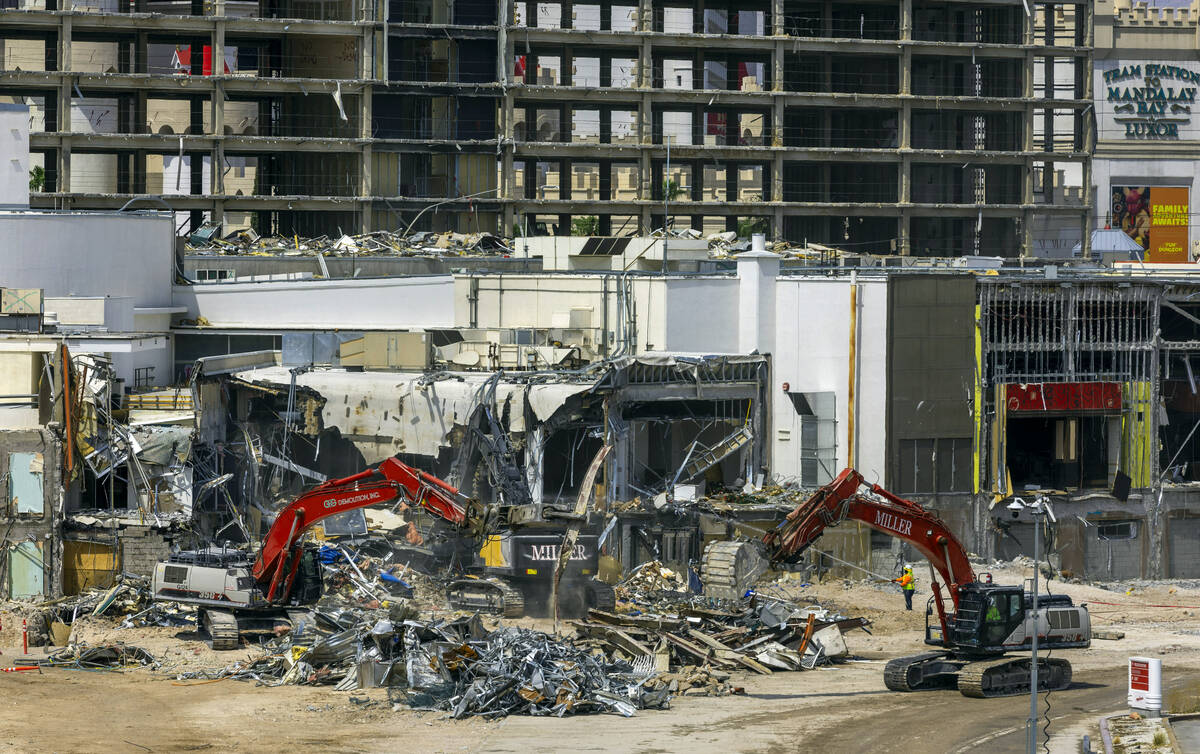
175, 574
1117, 530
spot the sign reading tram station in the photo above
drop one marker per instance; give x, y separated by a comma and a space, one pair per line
1146, 100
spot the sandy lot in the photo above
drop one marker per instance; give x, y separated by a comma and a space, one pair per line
841, 709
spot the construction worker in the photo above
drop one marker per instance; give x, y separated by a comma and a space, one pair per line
907, 584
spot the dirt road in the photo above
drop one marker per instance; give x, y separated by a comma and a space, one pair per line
841, 709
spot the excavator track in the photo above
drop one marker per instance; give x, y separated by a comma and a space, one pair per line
1007, 676
222, 627
493, 595
730, 568
922, 672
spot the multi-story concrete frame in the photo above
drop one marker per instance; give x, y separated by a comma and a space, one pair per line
894, 127
243, 112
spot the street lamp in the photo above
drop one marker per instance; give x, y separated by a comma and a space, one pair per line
1039, 509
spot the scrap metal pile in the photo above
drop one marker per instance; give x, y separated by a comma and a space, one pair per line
455, 666
659, 620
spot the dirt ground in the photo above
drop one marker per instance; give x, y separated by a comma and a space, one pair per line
841, 709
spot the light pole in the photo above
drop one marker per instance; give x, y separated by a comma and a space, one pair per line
1038, 509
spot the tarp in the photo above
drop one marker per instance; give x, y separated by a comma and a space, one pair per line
163, 446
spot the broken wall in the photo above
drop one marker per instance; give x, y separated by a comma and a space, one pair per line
31, 509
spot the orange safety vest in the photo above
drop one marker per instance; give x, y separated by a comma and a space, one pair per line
906, 582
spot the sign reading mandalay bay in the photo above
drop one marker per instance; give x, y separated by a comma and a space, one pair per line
1149, 100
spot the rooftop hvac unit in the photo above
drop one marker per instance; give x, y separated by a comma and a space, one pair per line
402, 351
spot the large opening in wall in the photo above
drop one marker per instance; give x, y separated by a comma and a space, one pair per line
567, 455
1060, 452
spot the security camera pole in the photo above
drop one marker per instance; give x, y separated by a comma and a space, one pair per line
1037, 509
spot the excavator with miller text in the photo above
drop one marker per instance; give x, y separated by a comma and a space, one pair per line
975, 634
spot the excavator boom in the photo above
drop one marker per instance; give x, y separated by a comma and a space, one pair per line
390, 480
841, 500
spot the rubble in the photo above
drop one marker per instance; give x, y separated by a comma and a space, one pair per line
107, 656
377, 243
660, 618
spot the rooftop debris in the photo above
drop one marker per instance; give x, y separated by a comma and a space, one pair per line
450, 244
377, 243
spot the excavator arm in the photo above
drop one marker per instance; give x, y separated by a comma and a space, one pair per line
275, 568
843, 499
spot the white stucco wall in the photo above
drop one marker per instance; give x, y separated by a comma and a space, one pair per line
376, 304
811, 353
14, 155
701, 315
113, 254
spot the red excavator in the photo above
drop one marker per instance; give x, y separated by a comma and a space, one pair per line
236, 594
985, 623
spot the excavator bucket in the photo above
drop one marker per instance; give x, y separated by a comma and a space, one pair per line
730, 568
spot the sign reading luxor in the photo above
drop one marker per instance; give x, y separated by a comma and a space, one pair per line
1151, 100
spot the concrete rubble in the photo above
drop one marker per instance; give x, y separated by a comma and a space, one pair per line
381, 242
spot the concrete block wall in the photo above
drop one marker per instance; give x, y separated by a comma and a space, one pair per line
141, 548
1183, 557
1114, 558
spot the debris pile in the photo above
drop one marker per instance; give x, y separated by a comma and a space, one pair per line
107, 656
520, 671
378, 243
456, 666
657, 620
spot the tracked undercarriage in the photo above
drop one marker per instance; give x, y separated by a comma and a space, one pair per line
981, 679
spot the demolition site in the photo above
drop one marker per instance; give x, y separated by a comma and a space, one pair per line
626, 376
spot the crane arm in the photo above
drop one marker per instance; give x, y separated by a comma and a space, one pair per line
389, 481
842, 499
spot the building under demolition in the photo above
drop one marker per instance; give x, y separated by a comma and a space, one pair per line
923, 128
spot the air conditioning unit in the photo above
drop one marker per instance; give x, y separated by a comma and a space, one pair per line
402, 351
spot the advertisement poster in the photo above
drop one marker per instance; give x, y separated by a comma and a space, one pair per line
1156, 217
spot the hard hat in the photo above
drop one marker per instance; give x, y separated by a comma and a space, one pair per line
908, 568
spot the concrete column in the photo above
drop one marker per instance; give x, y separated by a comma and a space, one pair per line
367, 182
64, 163
645, 77
905, 247
645, 15
777, 67
758, 271
505, 51
906, 19
777, 26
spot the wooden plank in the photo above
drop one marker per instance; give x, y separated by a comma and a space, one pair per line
614, 636
728, 653
702, 654
636, 621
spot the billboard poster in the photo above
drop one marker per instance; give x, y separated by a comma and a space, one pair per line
1156, 217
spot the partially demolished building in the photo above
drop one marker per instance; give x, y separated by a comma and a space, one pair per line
923, 128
